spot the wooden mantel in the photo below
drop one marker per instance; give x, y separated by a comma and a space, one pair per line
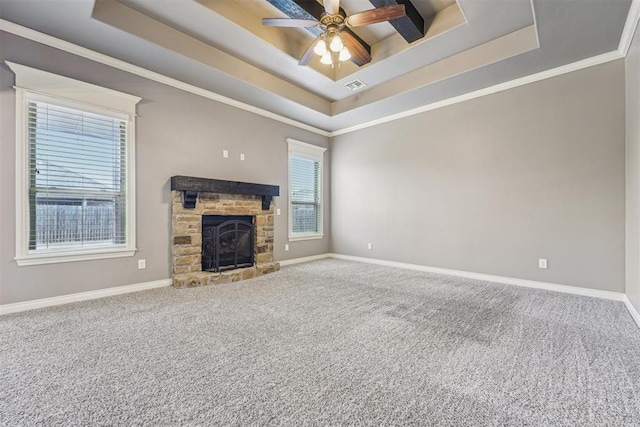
192, 186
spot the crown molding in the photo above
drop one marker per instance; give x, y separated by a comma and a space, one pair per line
630, 26
532, 78
631, 23
65, 46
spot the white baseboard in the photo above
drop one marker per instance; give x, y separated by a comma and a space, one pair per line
616, 296
596, 293
82, 296
303, 259
632, 310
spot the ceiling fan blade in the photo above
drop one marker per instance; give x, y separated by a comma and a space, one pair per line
332, 7
308, 54
374, 16
286, 22
358, 52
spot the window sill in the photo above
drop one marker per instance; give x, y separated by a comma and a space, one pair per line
298, 237
60, 257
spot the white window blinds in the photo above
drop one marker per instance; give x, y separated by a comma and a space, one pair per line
305, 195
77, 178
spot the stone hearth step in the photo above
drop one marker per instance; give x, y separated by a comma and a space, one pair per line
205, 278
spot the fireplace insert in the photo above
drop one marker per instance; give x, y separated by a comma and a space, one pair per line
227, 242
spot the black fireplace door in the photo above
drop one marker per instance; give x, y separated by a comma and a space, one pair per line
226, 243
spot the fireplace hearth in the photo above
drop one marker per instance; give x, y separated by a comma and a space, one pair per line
221, 231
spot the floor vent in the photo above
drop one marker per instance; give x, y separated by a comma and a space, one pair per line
355, 85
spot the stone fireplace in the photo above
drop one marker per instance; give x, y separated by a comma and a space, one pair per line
221, 231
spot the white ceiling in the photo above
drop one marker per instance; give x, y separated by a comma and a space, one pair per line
221, 46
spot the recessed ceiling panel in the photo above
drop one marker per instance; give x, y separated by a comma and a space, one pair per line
235, 27
220, 47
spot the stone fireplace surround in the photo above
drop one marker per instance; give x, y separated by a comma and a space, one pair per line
191, 198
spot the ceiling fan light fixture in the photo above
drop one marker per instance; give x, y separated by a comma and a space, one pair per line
345, 55
336, 44
329, 45
321, 47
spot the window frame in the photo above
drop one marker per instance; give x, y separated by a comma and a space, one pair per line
316, 154
34, 84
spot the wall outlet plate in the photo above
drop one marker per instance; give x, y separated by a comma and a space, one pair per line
286, 247
370, 246
225, 154
278, 211
542, 263
142, 264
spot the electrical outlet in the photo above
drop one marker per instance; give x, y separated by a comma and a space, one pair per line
225, 154
241, 156
286, 247
142, 264
370, 246
278, 211
542, 263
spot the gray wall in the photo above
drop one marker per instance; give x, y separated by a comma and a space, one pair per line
489, 185
493, 184
632, 278
177, 134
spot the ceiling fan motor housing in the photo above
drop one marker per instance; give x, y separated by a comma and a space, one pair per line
337, 21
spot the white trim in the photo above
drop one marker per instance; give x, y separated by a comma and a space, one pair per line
632, 17
535, 22
300, 237
316, 154
73, 102
596, 293
101, 293
82, 296
34, 84
543, 75
57, 43
304, 149
632, 310
303, 259
630, 26
21, 175
58, 257
34, 80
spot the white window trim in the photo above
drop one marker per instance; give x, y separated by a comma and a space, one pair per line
30, 82
315, 153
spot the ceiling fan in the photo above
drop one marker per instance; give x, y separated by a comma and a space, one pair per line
334, 44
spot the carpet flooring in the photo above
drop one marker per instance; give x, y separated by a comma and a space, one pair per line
330, 342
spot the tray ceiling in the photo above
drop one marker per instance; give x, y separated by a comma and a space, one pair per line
221, 46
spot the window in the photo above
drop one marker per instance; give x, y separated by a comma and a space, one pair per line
305, 190
75, 184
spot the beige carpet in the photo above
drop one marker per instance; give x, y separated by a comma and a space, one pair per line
329, 342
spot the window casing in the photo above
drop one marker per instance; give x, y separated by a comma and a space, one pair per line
305, 190
75, 184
